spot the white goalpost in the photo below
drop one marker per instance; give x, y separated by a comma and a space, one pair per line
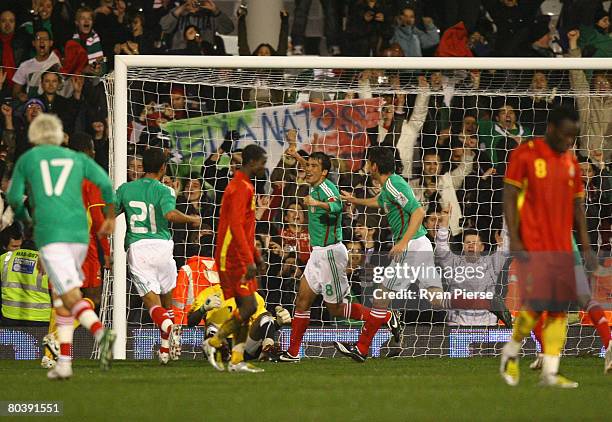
142, 75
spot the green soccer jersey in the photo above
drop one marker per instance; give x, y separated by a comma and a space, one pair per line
52, 178
145, 203
398, 201
325, 227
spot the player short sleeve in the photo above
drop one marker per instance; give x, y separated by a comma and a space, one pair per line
167, 199
516, 171
119, 200
402, 194
578, 185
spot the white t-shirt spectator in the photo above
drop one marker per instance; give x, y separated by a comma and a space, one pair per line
29, 73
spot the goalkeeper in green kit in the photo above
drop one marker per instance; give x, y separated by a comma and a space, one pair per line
52, 177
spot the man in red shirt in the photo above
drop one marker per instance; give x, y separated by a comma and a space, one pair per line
238, 259
543, 202
92, 285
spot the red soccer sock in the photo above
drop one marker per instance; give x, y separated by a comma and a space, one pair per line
83, 311
466, 304
66, 350
171, 315
370, 328
298, 328
537, 332
359, 312
161, 318
598, 316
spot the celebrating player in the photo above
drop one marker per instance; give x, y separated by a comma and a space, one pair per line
544, 193
92, 283
325, 272
412, 249
53, 177
238, 259
149, 206
211, 307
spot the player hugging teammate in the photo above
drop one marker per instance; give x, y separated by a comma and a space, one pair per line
325, 272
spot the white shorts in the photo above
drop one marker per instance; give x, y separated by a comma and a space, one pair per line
63, 263
326, 272
415, 264
152, 266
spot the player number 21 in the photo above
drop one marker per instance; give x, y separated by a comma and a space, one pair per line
142, 216
66, 165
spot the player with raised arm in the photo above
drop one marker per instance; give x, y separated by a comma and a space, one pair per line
238, 259
411, 249
52, 177
543, 201
325, 272
149, 206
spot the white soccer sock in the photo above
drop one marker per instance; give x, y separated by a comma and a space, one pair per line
87, 317
512, 348
550, 365
166, 326
165, 342
64, 334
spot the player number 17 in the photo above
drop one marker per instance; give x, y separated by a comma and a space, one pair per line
66, 165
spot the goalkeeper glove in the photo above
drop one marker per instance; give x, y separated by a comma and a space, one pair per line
212, 302
282, 316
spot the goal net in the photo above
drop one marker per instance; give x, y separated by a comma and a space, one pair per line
451, 129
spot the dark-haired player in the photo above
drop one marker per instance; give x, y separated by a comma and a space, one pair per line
325, 272
149, 206
543, 201
411, 252
238, 259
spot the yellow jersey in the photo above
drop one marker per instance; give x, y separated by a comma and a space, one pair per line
219, 315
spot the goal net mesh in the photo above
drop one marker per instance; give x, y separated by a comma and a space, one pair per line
451, 132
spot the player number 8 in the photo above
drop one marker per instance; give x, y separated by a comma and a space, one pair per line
329, 290
540, 168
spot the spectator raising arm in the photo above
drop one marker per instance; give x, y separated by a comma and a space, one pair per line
442, 251
412, 128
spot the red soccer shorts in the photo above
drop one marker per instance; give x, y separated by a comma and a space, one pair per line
547, 281
91, 270
233, 284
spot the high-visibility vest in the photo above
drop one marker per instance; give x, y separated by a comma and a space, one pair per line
197, 274
25, 291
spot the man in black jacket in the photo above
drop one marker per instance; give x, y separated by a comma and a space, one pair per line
67, 109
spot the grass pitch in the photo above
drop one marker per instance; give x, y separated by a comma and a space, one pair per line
312, 390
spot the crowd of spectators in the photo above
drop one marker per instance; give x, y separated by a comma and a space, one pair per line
451, 145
